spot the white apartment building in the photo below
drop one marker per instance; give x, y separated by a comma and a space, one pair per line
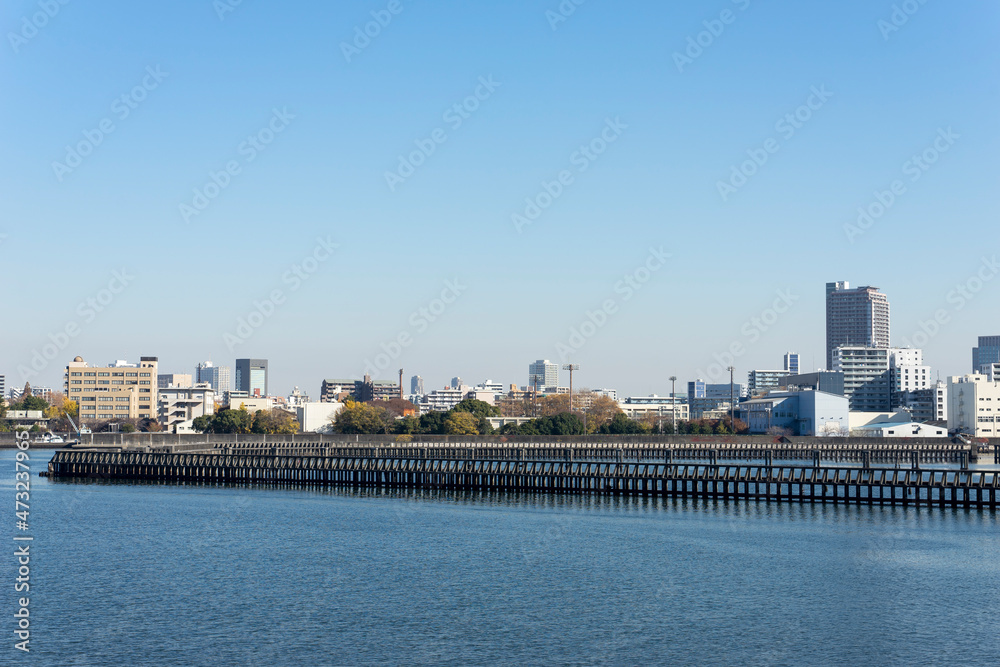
178, 407
974, 405
635, 407
442, 400
610, 393
907, 369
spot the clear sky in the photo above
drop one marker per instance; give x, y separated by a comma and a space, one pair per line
615, 123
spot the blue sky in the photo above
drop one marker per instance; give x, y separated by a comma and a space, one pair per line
521, 290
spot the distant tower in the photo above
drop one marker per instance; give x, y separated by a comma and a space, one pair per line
855, 317
986, 353
546, 372
251, 376
792, 363
417, 385
456, 382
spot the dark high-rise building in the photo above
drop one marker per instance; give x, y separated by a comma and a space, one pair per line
986, 353
417, 385
855, 317
251, 376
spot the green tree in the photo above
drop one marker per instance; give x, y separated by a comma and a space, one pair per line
32, 403
407, 425
477, 408
621, 425
202, 424
432, 422
230, 421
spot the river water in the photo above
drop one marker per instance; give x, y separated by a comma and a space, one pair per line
143, 574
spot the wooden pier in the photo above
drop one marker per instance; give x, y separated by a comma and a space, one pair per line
424, 469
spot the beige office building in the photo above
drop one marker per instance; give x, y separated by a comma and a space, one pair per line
118, 391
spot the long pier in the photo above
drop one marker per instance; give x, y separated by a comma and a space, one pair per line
911, 486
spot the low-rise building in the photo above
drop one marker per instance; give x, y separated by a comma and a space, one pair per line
238, 400
27, 418
974, 405
315, 417
900, 430
498, 422
803, 413
178, 407
664, 407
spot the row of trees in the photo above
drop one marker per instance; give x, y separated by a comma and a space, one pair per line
241, 421
471, 417
384, 417
55, 409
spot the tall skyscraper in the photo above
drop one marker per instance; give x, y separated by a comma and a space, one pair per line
456, 382
251, 376
218, 377
855, 317
546, 372
792, 363
417, 385
3, 388
986, 353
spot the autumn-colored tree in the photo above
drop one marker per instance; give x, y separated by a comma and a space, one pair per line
553, 404
60, 406
275, 421
601, 411
362, 418
461, 423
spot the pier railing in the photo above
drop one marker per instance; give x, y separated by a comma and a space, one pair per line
749, 481
886, 453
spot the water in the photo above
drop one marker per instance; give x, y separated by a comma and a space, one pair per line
188, 575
